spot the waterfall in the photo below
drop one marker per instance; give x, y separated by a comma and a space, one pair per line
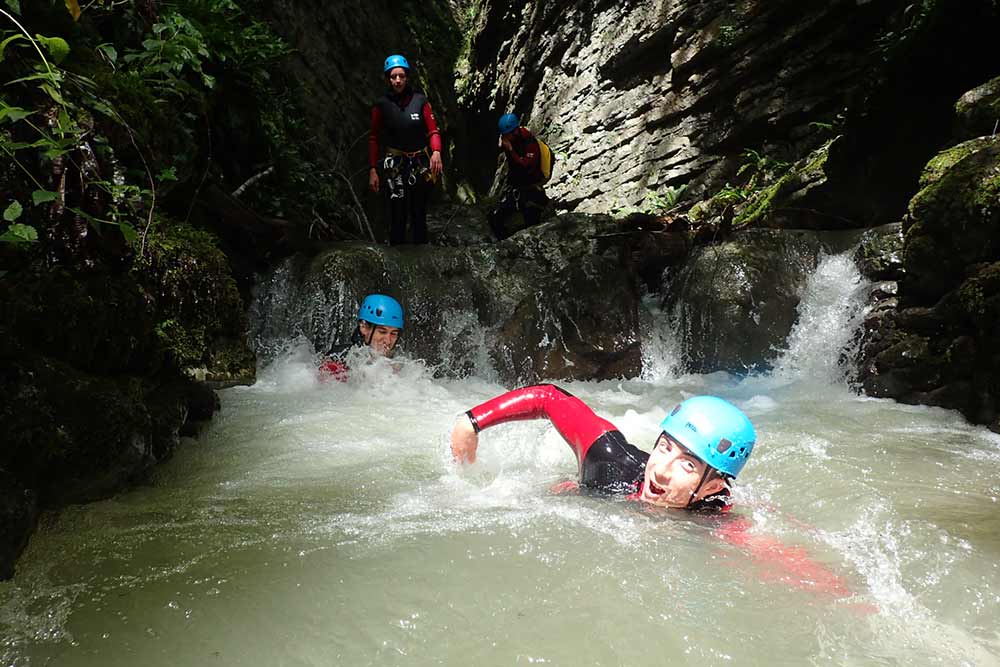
832, 308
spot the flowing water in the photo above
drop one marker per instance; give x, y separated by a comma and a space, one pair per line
323, 523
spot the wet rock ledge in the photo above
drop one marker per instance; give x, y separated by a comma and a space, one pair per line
95, 371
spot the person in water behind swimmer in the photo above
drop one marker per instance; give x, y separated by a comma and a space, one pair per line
380, 323
703, 445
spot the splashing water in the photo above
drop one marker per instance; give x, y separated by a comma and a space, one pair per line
322, 522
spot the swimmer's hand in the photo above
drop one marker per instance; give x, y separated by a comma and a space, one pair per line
464, 441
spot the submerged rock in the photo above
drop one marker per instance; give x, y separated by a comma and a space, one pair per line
735, 302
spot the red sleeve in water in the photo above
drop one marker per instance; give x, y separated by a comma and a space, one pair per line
576, 423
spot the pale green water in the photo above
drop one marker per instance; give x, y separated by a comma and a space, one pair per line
324, 524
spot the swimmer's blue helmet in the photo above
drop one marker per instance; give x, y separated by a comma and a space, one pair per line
381, 309
508, 123
714, 430
394, 61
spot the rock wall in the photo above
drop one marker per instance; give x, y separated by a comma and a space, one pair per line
638, 96
933, 337
92, 370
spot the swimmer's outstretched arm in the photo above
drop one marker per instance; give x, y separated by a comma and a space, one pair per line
576, 423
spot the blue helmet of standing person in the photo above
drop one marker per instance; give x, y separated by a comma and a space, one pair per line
714, 430
381, 309
508, 123
395, 61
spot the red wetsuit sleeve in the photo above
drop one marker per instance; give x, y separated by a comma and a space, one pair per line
576, 423
373, 137
433, 136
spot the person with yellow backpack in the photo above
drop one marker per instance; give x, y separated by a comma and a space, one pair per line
529, 167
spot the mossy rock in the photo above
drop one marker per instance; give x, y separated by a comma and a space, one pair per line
18, 511
527, 302
71, 435
979, 297
978, 111
948, 158
98, 322
954, 222
880, 253
200, 318
776, 205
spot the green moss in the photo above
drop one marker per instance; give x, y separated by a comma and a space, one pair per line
197, 299
980, 296
946, 159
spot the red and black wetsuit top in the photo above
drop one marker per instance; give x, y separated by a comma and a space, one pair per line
607, 462
335, 364
407, 123
524, 165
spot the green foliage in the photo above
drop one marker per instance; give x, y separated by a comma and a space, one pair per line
761, 168
19, 233
174, 50
13, 212
126, 114
658, 203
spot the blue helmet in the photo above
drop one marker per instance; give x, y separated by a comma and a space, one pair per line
714, 430
381, 309
395, 61
508, 123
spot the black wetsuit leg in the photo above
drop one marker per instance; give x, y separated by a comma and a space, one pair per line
501, 213
418, 195
533, 201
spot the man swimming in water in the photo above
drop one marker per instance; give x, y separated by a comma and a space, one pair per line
380, 323
704, 444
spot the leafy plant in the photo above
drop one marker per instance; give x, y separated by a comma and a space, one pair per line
761, 167
658, 203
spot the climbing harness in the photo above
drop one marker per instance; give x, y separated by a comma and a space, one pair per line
403, 170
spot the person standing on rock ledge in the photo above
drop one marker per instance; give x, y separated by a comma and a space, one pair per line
529, 165
411, 162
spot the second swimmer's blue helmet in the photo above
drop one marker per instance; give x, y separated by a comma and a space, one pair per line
381, 309
508, 123
395, 61
714, 430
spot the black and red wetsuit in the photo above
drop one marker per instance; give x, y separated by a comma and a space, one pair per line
607, 462
524, 192
335, 365
406, 126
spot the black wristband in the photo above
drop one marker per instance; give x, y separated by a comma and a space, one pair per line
472, 419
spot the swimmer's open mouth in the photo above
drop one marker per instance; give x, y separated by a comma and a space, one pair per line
656, 490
